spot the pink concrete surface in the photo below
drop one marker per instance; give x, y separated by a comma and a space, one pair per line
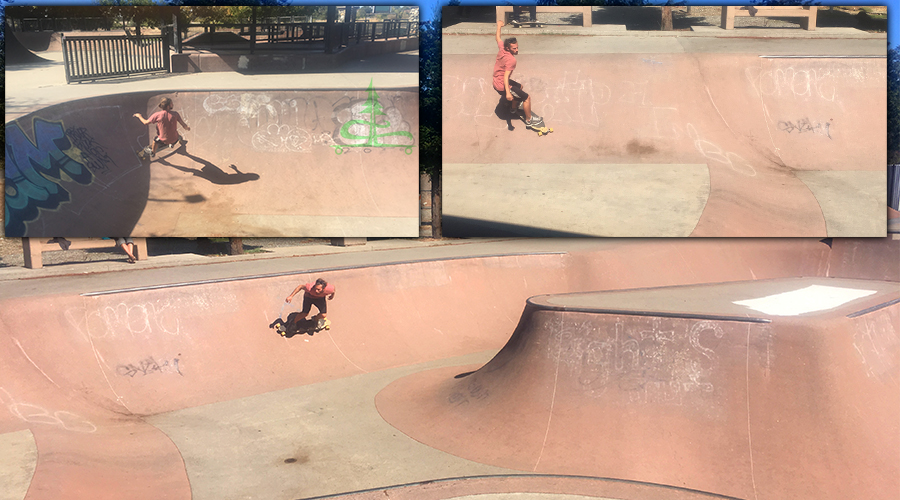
256, 163
755, 122
80, 372
802, 407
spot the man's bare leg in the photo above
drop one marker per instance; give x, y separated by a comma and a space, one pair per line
527, 108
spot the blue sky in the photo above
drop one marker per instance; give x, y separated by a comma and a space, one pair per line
430, 6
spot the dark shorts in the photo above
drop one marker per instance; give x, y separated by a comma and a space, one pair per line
122, 241
515, 88
161, 143
319, 302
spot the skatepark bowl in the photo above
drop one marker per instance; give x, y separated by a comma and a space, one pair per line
256, 163
707, 137
542, 369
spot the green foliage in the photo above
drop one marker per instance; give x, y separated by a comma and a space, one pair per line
430, 97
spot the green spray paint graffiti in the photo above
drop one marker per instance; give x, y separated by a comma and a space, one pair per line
366, 130
35, 171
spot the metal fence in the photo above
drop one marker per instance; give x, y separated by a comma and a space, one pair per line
95, 57
315, 32
361, 32
894, 186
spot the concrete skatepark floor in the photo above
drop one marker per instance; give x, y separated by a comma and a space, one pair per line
181, 390
665, 102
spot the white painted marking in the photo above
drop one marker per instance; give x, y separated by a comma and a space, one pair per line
804, 300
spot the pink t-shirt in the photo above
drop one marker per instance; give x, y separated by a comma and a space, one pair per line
329, 289
505, 62
166, 125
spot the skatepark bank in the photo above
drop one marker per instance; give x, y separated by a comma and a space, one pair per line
182, 388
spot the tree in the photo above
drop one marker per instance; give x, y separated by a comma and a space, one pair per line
430, 96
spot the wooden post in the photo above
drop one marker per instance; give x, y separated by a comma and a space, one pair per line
728, 17
235, 246
436, 230
666, 22
32, 251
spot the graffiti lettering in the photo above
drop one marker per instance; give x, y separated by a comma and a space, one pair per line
649, 363
149, 366
92, 153
37, 415
804, 125
35, 171
374, 125
134, 319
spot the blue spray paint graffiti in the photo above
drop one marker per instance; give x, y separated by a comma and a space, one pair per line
35, 171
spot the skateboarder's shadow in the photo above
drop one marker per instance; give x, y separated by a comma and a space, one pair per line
504, 112
211, 172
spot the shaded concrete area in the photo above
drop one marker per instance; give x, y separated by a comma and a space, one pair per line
586, 199
170, 379
783, 126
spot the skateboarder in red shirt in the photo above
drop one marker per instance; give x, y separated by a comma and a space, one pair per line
503, 68
166, 122
314, 294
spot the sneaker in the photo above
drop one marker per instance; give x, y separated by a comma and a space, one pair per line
320, 324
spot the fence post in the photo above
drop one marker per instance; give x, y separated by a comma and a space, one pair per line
165, 51
176, 34
65, 51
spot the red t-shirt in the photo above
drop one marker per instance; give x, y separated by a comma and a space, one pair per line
329, 289
505, 62
166, 125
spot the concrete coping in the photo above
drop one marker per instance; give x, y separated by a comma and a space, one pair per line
696, 31
761, 301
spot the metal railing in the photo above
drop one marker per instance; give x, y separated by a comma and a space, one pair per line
94, 57
386, 30
316, 32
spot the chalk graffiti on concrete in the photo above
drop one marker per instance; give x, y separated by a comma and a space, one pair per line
649, 362
35, 414
36, 170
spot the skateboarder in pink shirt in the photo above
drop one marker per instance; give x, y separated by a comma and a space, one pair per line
166, 122
503, 68
314, 294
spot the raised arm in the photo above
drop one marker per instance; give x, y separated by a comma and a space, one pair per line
499, 40
185, 125
142, 119
295, 292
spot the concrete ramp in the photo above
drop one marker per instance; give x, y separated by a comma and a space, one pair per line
177, 385
791, 146
257, 163
767, 389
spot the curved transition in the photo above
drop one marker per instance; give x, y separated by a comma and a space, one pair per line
183, 391
729, 389
325, 162
772, 146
